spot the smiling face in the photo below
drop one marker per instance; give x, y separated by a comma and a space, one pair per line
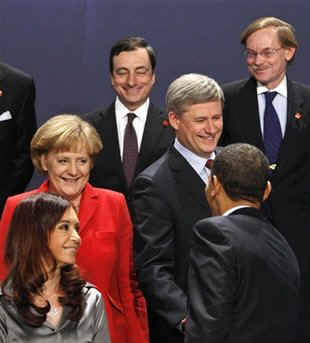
269, 70
64, 240
199, 127
132, 77
68, 172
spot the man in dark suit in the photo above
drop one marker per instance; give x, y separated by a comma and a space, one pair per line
243, 279
270, 45
169, 199
132, 67
17, 126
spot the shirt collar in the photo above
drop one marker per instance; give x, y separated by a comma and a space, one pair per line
197, 162
281, 88
233, 209
141, 112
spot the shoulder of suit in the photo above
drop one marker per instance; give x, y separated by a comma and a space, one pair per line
100, 113
152, 170
156, 110
10, 72
90, 287
234, 85
300, 87
19, 197
105, 193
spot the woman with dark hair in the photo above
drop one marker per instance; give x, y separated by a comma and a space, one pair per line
64, 150
44, 299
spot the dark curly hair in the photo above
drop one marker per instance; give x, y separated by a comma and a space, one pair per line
25, 252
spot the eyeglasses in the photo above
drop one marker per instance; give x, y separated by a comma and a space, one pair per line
266, 53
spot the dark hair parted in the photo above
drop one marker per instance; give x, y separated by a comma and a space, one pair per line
131, 44
25, 253
243, 171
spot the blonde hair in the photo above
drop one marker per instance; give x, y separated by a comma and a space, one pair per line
65, 132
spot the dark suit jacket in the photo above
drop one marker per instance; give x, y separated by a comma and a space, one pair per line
243, 282
108, 170
17, 96
168, 199
289, 204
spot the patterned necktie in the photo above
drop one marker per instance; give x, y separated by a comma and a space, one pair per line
272, 129
130, 151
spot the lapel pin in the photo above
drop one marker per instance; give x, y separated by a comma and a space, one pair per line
273, 166
298, 116
165, 123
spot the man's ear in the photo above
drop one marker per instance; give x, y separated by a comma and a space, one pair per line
289, 53
173, 120
216, 185
267, 191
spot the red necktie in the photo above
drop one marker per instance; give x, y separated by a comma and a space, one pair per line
130, 151
209, 163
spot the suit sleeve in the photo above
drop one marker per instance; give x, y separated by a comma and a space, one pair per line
26, 125
131, 296
211, 285
155, 252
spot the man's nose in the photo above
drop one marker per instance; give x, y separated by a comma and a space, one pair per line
210, 126
131, 80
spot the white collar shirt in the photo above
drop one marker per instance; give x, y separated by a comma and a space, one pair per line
138, 123
233, 209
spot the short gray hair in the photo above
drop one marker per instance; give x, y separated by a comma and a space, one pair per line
191, 89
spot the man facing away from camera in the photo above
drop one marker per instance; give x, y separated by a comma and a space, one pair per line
243, 281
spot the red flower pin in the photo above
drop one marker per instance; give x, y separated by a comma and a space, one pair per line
165, 123
298, 115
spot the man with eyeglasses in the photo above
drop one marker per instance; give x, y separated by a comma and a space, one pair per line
135, 133
272, 113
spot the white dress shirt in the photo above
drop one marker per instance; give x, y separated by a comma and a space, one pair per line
138, 123
233, 209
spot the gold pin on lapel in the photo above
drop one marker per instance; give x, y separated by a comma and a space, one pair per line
273, 166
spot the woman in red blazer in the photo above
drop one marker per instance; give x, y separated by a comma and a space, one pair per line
64, 148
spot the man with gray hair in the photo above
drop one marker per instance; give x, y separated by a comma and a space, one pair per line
169, 199
272, 112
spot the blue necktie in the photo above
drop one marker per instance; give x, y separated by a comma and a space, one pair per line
272, 129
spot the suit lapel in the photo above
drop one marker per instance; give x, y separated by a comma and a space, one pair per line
188, 181
151, 134
88, 206
294, 105
112, 149
249, 115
